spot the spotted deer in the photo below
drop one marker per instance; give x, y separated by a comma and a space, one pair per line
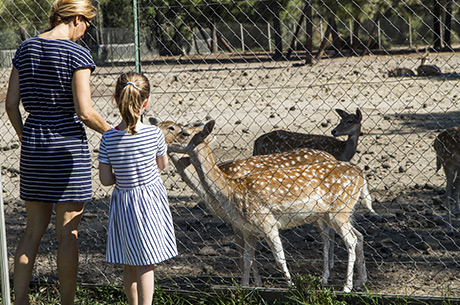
262, 203
447, 147
240, 168
282, 140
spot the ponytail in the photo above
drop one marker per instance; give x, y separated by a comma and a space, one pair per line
131, 90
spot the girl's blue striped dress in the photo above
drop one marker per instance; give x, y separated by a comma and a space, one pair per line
141, 230
55, 162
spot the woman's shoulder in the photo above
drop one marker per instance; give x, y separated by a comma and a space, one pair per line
70, 46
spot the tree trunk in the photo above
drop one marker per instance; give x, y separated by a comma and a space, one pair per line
309, 33
448, 22
205, 37
224, 42
336, 42
277, 31
326, 39
371, 36
356, 43
213, 35
296, 33
437, 24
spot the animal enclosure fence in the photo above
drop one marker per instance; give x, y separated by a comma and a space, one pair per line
244, 65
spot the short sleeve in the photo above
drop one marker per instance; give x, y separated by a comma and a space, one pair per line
103, 156
83, 59
162, 148
16, 57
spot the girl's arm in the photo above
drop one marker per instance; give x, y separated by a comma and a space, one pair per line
106, 174
13, 98
162, 161
82, 100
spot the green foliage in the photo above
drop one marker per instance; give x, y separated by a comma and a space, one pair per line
29, 16
309, 290
9, 39
115, 13
101, 295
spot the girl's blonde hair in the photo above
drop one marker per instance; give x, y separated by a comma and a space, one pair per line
131, 90
66, 10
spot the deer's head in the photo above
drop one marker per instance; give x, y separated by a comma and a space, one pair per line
189, 138
349, 124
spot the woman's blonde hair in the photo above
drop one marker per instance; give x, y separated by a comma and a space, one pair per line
131, 90
66, 10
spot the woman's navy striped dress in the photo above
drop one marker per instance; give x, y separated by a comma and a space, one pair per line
141, 230
55, 161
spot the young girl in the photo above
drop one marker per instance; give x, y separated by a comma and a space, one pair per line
141, 231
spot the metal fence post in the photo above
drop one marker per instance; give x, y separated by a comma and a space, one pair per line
4, 253
136, 37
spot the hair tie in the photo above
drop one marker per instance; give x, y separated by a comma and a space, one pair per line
131, 83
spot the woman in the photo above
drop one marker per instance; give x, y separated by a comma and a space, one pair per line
51, 76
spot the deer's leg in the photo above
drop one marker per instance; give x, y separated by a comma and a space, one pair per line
360, 260
274, 241
239, 241
331, 247
248, 258
325, 233
252, 243
456, 193
345, 230
449, 185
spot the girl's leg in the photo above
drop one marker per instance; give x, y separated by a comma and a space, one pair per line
130, 283
68, 216
145, 284
38, 218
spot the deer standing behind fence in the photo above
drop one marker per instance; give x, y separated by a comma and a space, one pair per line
447, 147
282, 140
263, 203
239, 168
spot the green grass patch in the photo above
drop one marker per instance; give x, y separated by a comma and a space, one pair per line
307, 290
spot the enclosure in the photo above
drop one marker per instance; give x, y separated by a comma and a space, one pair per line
259, 66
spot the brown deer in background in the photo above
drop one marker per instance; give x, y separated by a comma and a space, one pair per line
281, 140
427, 70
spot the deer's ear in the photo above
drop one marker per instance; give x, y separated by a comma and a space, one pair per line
207, 129
153, 121
358, 114
342, 113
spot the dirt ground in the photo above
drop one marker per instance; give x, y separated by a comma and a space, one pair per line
406, 246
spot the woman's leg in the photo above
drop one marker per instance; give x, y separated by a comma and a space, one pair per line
38, 218
145, 284
130, 283
68, 216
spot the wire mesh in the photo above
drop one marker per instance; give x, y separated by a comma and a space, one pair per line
243, 64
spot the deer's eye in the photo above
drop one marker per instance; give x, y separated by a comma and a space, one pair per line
171, 128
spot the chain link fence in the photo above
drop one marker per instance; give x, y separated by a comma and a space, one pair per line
258, 66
